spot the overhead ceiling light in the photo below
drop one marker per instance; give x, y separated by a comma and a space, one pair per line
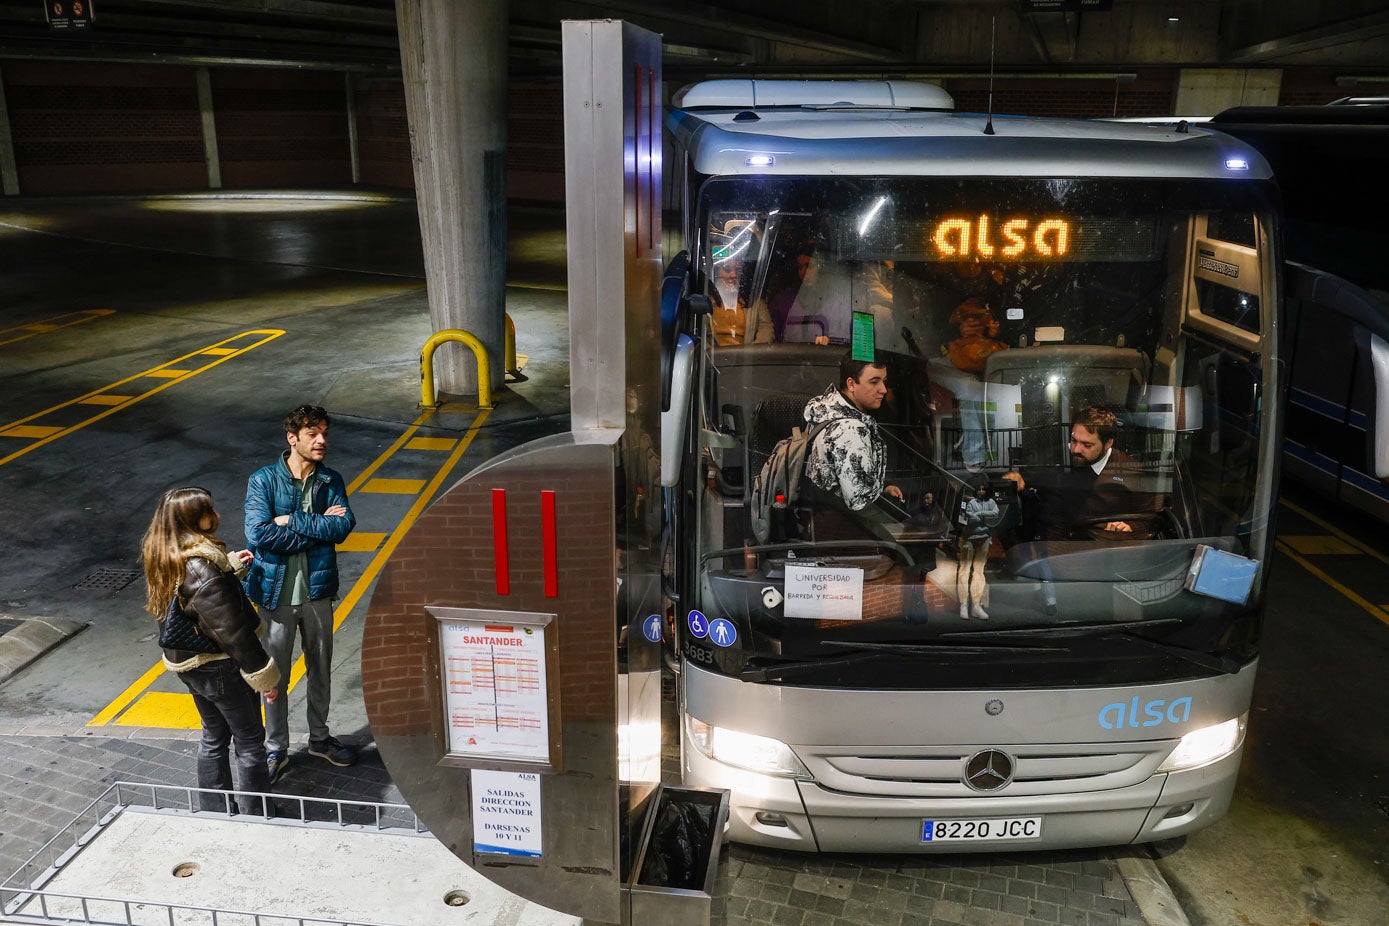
1174, 19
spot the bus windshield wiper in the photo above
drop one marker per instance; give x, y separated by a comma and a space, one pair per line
866, 652
1115, 630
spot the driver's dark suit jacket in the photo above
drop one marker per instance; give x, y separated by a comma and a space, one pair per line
1080, 495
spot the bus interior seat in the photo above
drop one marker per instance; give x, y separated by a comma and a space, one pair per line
1087, 374
773, 419
1051, 383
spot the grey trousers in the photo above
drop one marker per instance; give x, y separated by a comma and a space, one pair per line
314, 621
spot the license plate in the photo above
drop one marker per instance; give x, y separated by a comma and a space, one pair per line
976, 830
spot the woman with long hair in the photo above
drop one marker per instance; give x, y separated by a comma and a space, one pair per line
184, 558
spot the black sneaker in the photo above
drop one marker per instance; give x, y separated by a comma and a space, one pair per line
334, 751
277, 762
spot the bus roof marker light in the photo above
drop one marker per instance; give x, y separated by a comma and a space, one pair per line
1236, 164
761, 160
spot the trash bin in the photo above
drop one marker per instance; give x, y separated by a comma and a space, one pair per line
672, 882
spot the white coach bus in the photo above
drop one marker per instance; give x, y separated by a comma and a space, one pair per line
1080, 328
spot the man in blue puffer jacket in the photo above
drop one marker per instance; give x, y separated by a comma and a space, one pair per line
296, 514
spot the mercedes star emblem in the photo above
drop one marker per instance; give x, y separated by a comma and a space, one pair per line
989, 770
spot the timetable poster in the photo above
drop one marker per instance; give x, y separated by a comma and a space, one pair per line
494, 690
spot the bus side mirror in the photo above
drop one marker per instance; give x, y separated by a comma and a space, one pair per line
1375, 353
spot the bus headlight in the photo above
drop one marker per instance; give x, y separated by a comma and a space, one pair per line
1206, 745
747, 750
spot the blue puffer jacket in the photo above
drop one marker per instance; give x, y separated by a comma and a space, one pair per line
270, 492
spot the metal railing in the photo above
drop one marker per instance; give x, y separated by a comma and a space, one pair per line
23, 898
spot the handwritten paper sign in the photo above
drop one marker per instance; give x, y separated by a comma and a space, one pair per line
824, 592
506, 813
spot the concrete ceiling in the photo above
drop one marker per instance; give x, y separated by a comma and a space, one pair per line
742, 36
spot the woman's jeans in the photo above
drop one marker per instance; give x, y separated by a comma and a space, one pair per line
230, 710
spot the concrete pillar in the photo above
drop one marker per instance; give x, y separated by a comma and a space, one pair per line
9, 174
454, 64
1207, 91
209, 117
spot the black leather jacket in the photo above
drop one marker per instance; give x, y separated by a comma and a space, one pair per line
223, 612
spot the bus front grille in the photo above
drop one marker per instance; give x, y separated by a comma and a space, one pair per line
939, 771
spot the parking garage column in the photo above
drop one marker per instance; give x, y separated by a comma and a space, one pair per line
454, 63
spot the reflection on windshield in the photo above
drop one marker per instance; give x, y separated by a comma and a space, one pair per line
1033, 403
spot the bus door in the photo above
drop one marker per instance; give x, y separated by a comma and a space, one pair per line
1228, 371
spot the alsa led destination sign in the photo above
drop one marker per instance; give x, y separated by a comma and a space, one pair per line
984, 236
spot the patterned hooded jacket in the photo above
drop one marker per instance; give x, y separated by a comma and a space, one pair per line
847, 459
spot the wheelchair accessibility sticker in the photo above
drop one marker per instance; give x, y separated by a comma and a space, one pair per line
722, 632
651, 628
699, 624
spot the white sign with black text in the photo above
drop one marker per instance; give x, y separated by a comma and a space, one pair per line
506, 813
824, 592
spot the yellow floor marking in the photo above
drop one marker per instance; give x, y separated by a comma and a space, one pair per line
262, 335
218, 351
359, 588
361, 542
125, 697
52, 324
168, 374
394, 486
28, 431
1318, 545
1379, 613
431, 443
105, 399
379, 561
1353, 541
164, 709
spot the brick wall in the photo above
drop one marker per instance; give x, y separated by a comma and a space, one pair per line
100, 128
281, 128
535, 141
1316, 86
383, 133
1151, 94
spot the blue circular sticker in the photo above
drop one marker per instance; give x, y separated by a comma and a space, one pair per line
722, 632
699, 624
652, 628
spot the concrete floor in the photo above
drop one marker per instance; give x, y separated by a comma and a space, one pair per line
1307, 840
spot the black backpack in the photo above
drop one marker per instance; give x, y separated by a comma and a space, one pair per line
781, 475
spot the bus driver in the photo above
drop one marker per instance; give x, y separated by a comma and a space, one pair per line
1102, 482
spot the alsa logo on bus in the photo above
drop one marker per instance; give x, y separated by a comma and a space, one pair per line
1122, 714
965, 238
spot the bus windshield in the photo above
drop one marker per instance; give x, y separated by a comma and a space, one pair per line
1044, 451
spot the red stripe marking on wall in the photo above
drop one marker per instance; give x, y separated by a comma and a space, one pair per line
499, 545
550, 541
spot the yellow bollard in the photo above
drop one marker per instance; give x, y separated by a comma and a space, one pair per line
509, 350
428, 398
